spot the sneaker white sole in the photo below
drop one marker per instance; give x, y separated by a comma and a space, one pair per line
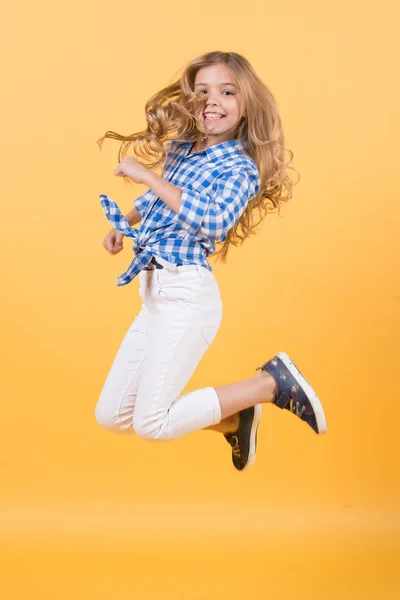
312, 396
253, 436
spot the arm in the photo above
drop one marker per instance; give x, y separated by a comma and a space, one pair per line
214, 213
133, 217
227, 204
168, 192
113, 240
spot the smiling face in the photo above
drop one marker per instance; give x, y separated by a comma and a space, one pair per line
225, 106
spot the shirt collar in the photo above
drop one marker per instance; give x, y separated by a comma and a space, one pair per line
217, 150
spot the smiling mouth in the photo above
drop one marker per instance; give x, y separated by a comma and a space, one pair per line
213, 117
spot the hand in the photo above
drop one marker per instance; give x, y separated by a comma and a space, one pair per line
113, 241
132, 168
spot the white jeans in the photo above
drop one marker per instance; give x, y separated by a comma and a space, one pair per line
179, 319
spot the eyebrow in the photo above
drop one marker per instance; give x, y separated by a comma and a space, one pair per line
227, 83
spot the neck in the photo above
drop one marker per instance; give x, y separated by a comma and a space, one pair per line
200, 144
205, 142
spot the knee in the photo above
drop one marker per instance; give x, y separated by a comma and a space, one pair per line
107, 420
150, 429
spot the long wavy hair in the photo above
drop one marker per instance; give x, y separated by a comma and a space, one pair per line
172, 114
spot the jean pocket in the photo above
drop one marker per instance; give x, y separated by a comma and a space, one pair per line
178, 291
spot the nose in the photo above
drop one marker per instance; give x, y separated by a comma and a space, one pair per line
211, 104
210, 101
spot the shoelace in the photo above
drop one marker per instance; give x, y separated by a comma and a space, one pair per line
295, 408
234, 442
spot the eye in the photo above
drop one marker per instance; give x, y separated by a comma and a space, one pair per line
225, 92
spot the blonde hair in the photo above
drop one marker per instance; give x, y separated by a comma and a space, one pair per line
171, 114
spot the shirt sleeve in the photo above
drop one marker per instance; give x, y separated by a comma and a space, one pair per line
141, 202
214, 213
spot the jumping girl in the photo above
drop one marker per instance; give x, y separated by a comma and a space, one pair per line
217, 131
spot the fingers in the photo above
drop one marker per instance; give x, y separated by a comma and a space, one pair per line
118, 242
113, 249
108, 245
117, 248
113, 242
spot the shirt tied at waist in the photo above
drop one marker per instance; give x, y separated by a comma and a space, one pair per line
120, 222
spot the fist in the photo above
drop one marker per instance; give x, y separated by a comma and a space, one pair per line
132, 168
113, 241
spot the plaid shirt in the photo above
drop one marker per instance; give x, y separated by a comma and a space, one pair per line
217, 184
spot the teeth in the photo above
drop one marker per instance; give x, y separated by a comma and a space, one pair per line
213, 116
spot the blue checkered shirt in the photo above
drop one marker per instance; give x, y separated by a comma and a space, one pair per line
217, 184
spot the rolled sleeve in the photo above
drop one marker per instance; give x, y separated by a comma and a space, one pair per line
192, 209
213, 214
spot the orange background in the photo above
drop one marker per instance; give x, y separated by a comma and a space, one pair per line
85, 514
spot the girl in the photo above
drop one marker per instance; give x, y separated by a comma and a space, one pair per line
217, 131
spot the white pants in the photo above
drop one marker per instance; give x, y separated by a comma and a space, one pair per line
179, 319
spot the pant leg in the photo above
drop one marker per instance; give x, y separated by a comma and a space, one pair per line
184, 315
115, 406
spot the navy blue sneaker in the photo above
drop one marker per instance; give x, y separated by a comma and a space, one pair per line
244, 440
294, 393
